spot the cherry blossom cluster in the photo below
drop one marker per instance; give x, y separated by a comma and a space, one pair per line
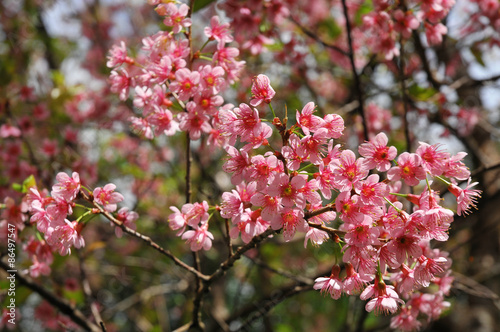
51, 213
387, 22
170, 73
310, 183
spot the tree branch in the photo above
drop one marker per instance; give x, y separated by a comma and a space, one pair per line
357, 82
312, 35
76, 315
145, 238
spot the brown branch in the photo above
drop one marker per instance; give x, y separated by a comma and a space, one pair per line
229, 242
312, 35
241, 250
67, 309
88, 293
145, 295
425, 62
261, 308
404, 95
298, 279
327, 208
334, 233
145, 238
357, 83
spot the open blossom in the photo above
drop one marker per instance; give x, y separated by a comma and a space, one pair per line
384, 298
107, 197
163, 121
118, 56
194, 122
66, 187
291, 220
353, 281
218, 31
307, 120
199, 238
409, 169
466, 198
128, 219
186, 83
331, 285
120, 83
261, 90
348, 170
288, 190
175, 16
433, 160
377, 154
371, 191
334, 124
64, 237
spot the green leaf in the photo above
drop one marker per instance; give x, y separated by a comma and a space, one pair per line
478, 55
199, 4
330, 27
421, 93
17, 187
27, 184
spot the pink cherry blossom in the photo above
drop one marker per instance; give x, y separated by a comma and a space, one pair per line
141, 127
371, 191
218, 31
163, 121
348, 170
120, 83
66, 187
64, 237
271, 206
455, 168
466, 198
118, 56
354, 282
288, 189
291, 220
107, 197
409, 169
377, 154
194, 121
175, 16
186, 83
262, 90
307, 120
433, 160
8, 130
384, 298
128, 219
212, 78
331, 285
199, 238
177, 221
334, 124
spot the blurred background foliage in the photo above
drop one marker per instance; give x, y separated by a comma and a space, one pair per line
54, 87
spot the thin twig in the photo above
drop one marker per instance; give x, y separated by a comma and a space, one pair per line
357, 81
67, 309
241, 250
425, 62
297, 278
145, 295
145, 238
229, 242
404, 96
88, 293
316, 38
